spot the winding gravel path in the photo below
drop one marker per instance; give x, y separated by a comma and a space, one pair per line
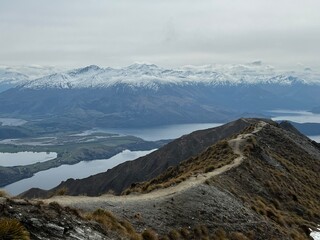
235, 144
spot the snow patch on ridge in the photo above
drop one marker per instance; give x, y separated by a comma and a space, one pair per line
151, 76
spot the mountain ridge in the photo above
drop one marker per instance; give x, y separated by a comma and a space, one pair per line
147, 167
151, 76
270, 192
148, 95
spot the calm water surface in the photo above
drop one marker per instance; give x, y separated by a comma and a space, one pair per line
25, 158
52, 177
161, 132
295, 116
315, 138
299, 117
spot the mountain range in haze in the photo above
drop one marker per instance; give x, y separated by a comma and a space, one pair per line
148, 95
150, 75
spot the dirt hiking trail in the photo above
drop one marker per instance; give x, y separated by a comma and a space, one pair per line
236, 144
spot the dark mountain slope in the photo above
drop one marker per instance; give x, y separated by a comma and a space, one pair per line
309, 129
145, 168
148, 95
278, 180
270, 190
115, 106
124, 105
14, 132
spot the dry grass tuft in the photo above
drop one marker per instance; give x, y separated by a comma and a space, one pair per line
109, 222
220, 234
12, 229
279, 180
149, 234
214, 157
3, 193
174, 235
59, 192
238, 236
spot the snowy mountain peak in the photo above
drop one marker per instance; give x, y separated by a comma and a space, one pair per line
9, 79
142, 69
142, 66
8, 76
89, 68
152, 76
85, 70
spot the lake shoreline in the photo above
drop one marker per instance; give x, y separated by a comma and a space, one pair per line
165, 132
52, 177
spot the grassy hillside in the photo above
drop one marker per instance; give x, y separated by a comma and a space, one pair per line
145, 168
271, 193
278, 180
214, 157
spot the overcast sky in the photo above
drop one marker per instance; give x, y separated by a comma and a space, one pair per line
165, 32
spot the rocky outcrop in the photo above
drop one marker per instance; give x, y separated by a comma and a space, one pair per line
52, 221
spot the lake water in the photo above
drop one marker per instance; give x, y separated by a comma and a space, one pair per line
295, 116
52, 177
315, 138
25, 158
175, 131
160, 132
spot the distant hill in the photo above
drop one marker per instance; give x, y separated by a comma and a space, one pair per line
316, 110
307, 128
10, 79
13, 132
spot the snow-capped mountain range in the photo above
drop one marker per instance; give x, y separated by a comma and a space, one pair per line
14, 78
145, 94
10, 79
151, 76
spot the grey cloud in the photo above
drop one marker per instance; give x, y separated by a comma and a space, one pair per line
118, 32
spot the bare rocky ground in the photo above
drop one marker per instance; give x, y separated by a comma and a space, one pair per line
187, 205
199, 205
51, 221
